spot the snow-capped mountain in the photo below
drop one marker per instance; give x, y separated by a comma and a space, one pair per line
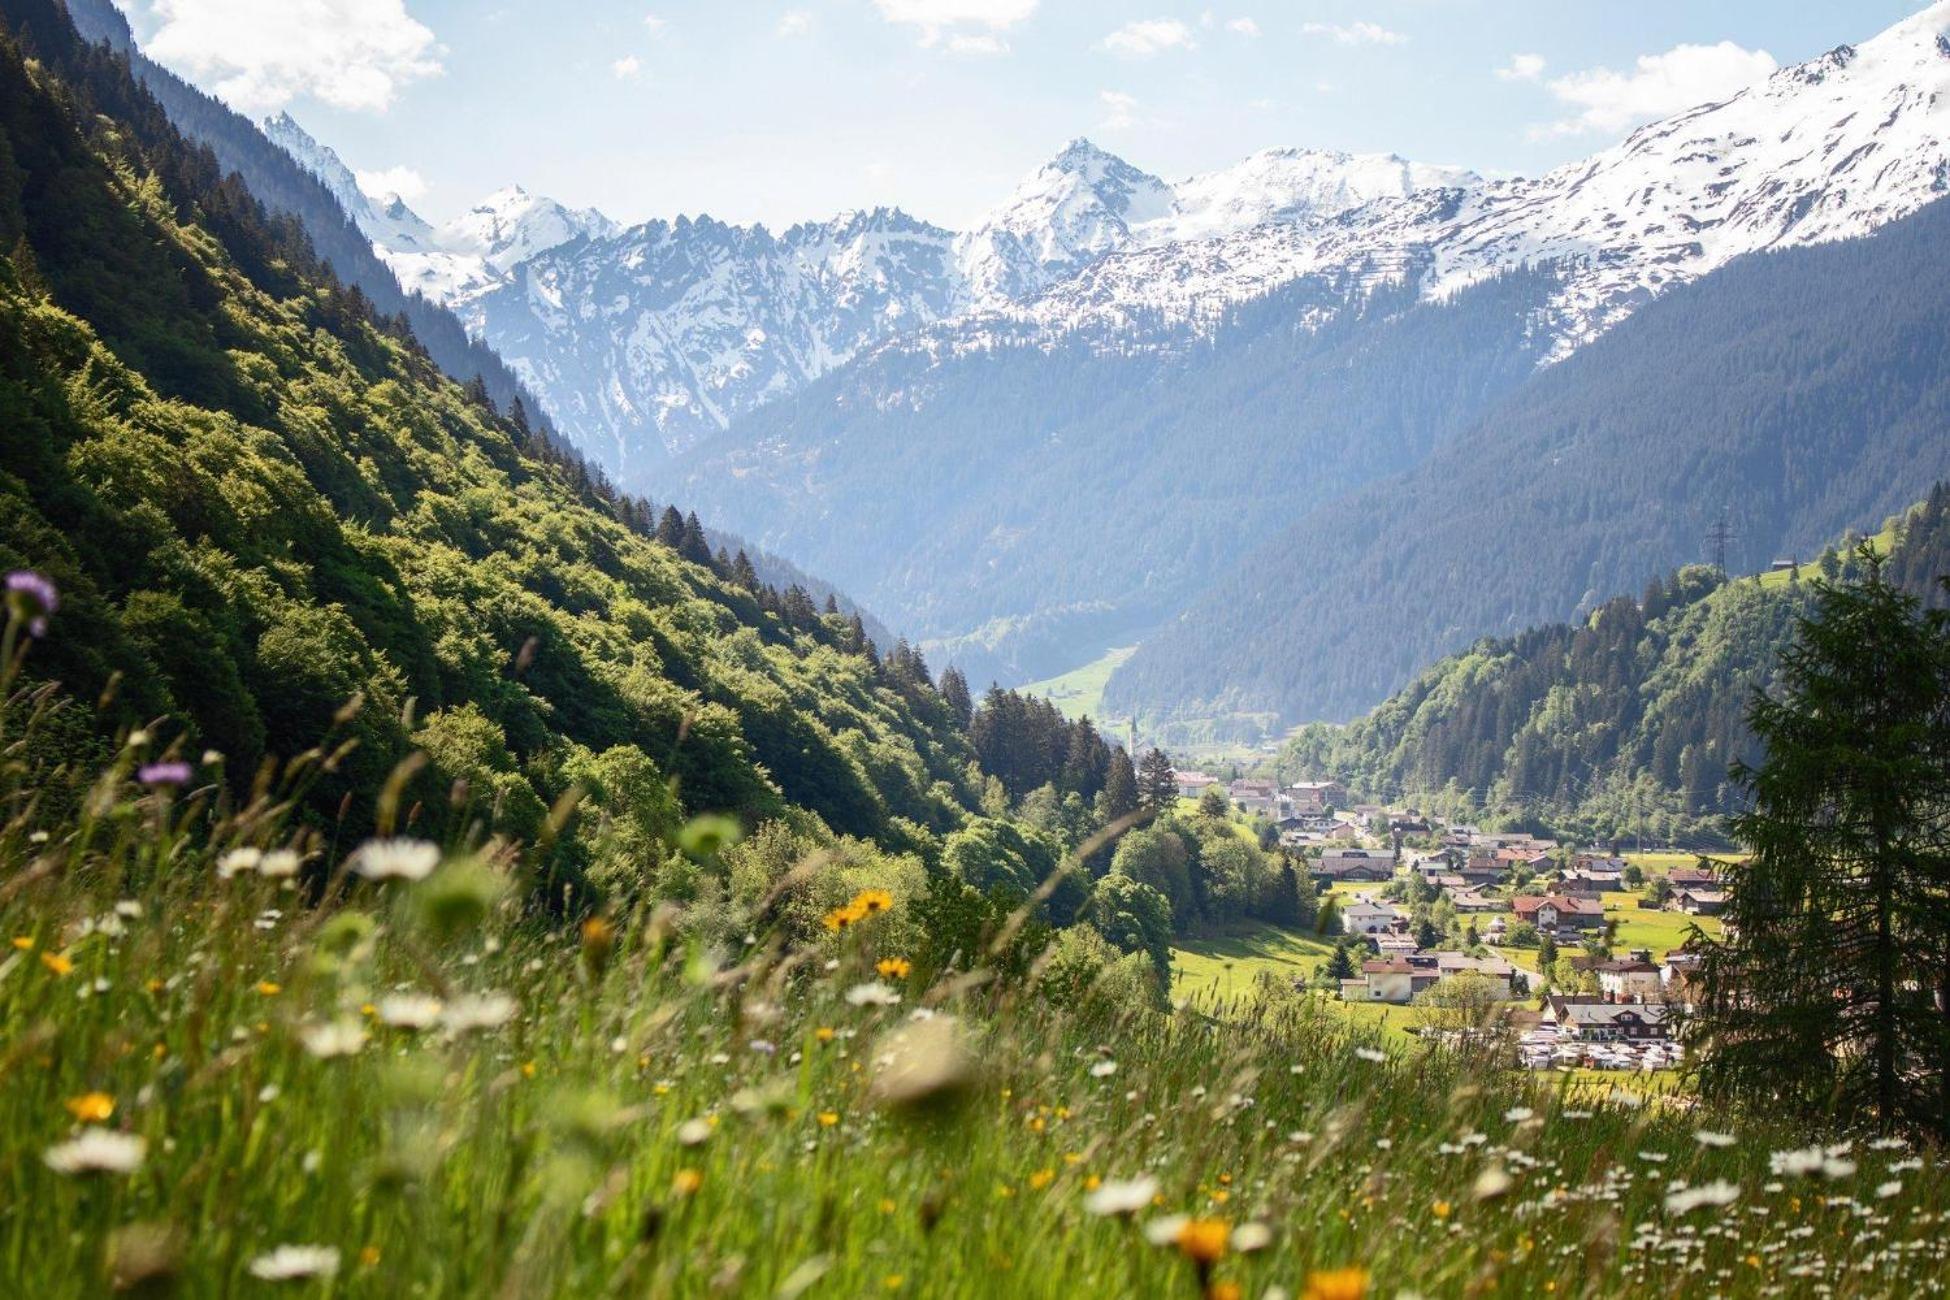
388, 223
649, 338
1829, 149
641, 340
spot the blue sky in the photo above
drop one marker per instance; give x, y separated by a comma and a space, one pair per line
756, 110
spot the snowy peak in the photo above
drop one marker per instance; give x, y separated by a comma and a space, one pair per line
1295, 185
1078, 206
511, 225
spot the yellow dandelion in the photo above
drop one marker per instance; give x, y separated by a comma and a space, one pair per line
1041, 1178
1203, 1241
1223, 1291
894, 968
154, 985
91, 1107
269, 988
1441, 1209
824, 1033
828, 1118
24, 942
687, 1182
369, 1257
56, 962
1092, 1183
1220, 1196
1337, 1284
527, 1069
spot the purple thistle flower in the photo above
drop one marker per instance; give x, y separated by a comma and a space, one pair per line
168, 773
32, 597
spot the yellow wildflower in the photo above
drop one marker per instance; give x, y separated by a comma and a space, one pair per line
1441, 1209
56, 962
24, 942
687, 1182
91, 1107
369, 1257
1336, 1284
1202, 1241
870, 901
1041, 1178
828, 1118
894, 968
269, 989
824, 1033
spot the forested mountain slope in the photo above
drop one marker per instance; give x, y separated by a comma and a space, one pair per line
259, 504
1797, 393
1626, 721
1014, 521
284, 187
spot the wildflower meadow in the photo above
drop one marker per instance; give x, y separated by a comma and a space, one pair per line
241, 1055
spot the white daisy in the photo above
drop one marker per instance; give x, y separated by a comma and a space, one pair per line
396, 859
471, 1011
333, 1038
1115, 1197
98, 1151
296, 1263
409, 1011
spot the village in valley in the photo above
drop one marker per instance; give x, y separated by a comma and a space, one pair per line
1562, 956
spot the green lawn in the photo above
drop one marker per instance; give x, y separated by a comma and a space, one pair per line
1885, 543
1081, 690
1210, 972
1643, 927
1229, 966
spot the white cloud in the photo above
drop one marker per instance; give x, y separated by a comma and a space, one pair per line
1120, 109
626, 67
403, 181
1609, 101
797, 22
656, 24
1148, 36
258, 56
984, 44
1362, 33
1244, 27
938, 18
1523, 67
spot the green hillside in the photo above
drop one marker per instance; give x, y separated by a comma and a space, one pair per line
1619, 726
259, 502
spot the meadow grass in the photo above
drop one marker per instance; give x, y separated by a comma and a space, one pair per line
1080, 692
395, 1073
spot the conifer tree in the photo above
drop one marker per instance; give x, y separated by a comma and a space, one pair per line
1830, 991
1157, 783
1120, 786
954, 693
742, 571
670, 529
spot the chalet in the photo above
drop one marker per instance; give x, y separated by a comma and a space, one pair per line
1680, 977
1481, 869
1700, 902
1468, 900
1494, 969
1632, 979
1388, 980
1255, 795
1693, 878
1368, 866
1602, 867
1317, 796
1594, 1020
1579, 884
1366, 917
1559, 911
1193, 784
1394, 944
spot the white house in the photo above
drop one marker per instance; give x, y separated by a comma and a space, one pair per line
1366, 917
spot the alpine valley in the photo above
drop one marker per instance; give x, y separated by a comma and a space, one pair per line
1289, 427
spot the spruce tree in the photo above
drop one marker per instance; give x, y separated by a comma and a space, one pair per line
1120, 786
670, 529
1829, 993
954, 693
1157, 783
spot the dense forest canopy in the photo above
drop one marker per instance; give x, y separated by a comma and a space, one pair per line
1791, 395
